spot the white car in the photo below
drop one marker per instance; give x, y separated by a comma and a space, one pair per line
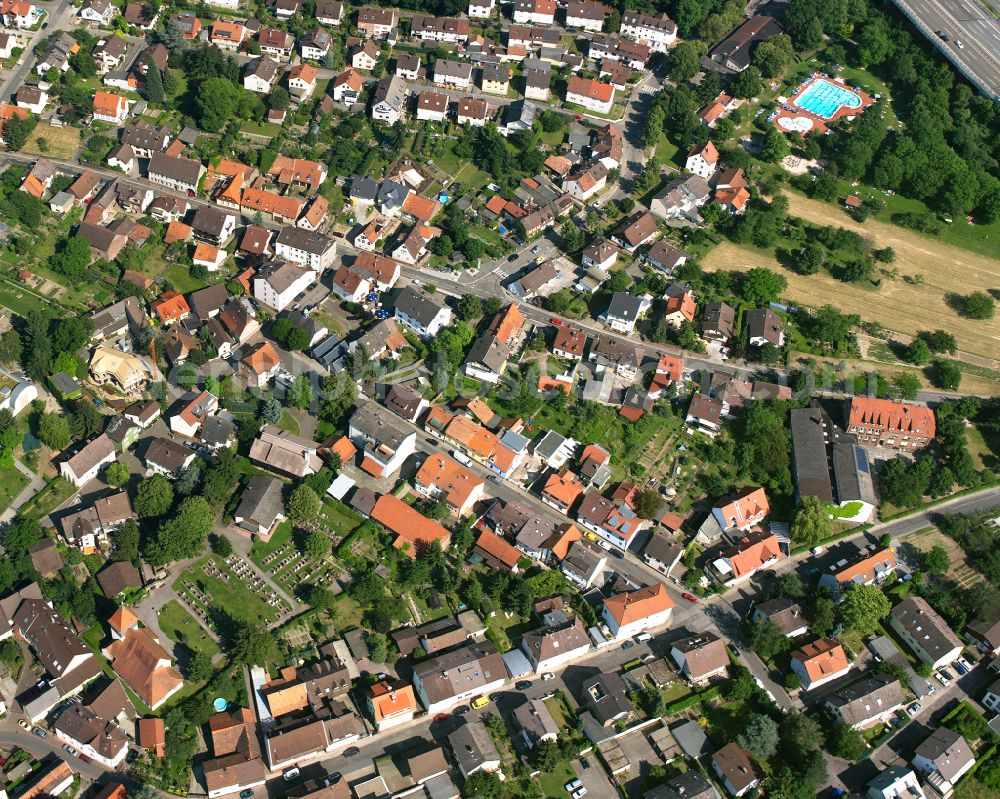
573, 785
579, 793
548, 676
941, 678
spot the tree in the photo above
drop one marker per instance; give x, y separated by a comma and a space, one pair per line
378, 647
215, 103
884, 255
298, 341
71, 257
53, 431
811, 258
279, 99
552, 121
154, 84
125, 541
299, 394
485, 784
811, 523
619, 282
320, 597
822, 613
801, 734
252, 643
85, 419
906, 384
935, 560
10, 346
199, 667
767, 639
183, 535
221, 546
117, 474
775, 146
762, 286
790, 584
153, 496
317, 545
469, 307
862, 608
16, 132
747, 84
271, 411
939, 341
846, 742
683, 62
946, 374
772, 56
648, 503
741, 686
977, 305
759, 736
303, 505
918, 352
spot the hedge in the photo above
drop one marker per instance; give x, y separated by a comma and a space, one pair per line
692, 700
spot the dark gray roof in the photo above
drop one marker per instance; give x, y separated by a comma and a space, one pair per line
606, 696
691, 739
363, 189
302, 239
417, 306
488, 351
472, 746
947, 750
763, 323
719, 316
208, 300
690, 785
867, 698
261, 500
183, 170
624, 306
403, 401
209, 221
810, 427
217, 430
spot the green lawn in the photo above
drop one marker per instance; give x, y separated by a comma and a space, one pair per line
339, 517
347, 614
288, 424
179, 276
260, 550
261, 128
11, 484
180, 626
552, 782
20, 301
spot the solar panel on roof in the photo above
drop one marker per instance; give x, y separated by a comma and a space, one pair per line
861, 458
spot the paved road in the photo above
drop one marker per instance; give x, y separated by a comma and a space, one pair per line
968, 22
40, 747
60, 15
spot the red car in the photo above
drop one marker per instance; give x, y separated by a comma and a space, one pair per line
440, 717
689, 597
555, 321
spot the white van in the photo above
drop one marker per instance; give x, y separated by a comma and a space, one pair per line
461, 457
642, 638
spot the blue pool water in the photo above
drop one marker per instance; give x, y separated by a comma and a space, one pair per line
824, 98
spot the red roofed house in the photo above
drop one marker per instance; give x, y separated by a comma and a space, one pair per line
391, 704
742, 510
886, 423
440, 477
744, 559
591, 94
680, 309
716, 110
820, 662
110, 107
412, 529
634, 611
562, 490
703, 161
170, 307
497, 553
866, 569
260, 365
669, 369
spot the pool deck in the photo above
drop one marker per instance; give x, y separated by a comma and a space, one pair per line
796, 118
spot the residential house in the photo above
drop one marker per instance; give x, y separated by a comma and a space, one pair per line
174, 172
194, 409
586, 14
127, 372
302, 82
261, 507
455, 74
763, 326
632, 612
866, 568
452, 677
473, 111
378, 23
550, 648
590, 94
276, 44
260, 74
718, 322
895, 782
480, 9
614, 522
227, 35
656, 32
495, 79
742, 510
537, 12
820, 662
420, 313
584, 564
315, 45
364, 55
144, 666
785, 613
700, 657
925, 632
260, 365
496, 553
283, 452
870, 701
279, 282
732, 764
751, 554
312, 250
329, 12
99, 11
167, 457
346, 87
391, 704
385, 442
408, 66
584, 184
606, 697
601, 254
535, 723
432, 107
679, 201
539, 279
88, 527
664, 257
704, 414
440, 29
440, 477
943, 758
32, 98
636, 231
624, 311
473, 747
689, 785
389, 100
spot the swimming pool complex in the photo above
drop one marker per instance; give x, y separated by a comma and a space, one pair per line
824, 99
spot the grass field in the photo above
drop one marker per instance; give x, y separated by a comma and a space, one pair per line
288, 423
61, 142
20, 301
897, 305
180, 626
11, 484
230, 596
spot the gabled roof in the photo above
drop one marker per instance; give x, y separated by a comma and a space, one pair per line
633, 606
822, 659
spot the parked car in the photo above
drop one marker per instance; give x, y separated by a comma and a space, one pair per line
585, 763
290, 774
556, 321
627, 645
964, 662
351, 751
943, 678
495, 697
689, 597
461, 710
957, 665
480, 702
579, 793
534, 250
246, 793
23, 724
70, 749
523, 685
914, 708
572, 785
39, 732
513, 258
440, 717
548, 676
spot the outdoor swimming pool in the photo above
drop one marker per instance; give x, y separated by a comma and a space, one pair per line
823, 98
